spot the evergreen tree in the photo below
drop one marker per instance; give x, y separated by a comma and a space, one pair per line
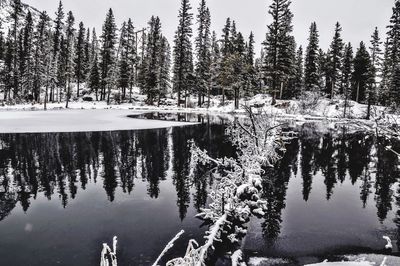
80, 63
40, 63
215, 67
58, 26
108, 39
279, 46
94, 77
153, 57
164, 69
86, 57
183, 58
335, 59
69, 54
57, 47
124, 71
386, 75
347, 74
224, 76
361, 77
131, 55
15, 14
392, 56
376, 68
311, 77
299, 73
250, 70
25, 56
2, 42
203, 47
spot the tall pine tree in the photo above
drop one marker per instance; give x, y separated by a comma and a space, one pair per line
183, 57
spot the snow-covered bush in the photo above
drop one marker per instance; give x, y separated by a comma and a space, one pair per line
309, 101
237, 193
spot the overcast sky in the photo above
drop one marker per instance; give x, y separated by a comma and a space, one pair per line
358, 17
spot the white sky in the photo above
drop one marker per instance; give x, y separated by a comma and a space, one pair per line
358, 17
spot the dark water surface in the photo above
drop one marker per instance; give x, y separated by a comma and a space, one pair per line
63, 194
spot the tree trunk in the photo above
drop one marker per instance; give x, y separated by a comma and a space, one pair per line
358, 91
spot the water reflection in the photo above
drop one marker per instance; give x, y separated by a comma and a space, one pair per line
65, 165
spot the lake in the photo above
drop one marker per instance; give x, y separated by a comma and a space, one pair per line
64, 194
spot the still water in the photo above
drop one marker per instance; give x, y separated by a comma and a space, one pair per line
63, 194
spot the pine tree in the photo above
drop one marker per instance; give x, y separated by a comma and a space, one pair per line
386, 75
347, 74
311, 77
376, 69
250, 71
183, 58
94, 77
299, 73
361, 77
152, 60
2, 42
279, 46
25, 55
57, 47
58, 26
69, 54
80, 56
164, 69
132, 56
224, 76
215, 67
124, 71
203, 47
42, 52
335, 59
109, 39
15, 14
392, 57
86, 57
8, 66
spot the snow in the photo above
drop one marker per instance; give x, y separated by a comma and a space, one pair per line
76, 121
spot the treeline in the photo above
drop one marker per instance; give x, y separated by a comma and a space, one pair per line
48, 60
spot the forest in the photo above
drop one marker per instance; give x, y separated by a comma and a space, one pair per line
46, 58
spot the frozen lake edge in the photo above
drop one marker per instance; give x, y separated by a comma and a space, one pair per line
77, 120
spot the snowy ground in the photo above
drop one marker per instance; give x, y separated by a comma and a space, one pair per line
351, 260
76, 121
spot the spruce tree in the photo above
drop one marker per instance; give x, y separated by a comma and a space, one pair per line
299, 73
80, 57
203, 53
26, 57
69, 54
347, 75
108, 58
15, 14
183, 58
250, 71
335, 59
214, 68
124, 71
392, 57
58, 26
131, 55
2, 42
152, 60
57, 47
362, 76
311, 77
279, 46
94, 77
42, 52
164, 68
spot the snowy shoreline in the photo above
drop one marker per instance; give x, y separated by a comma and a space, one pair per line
77, 120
